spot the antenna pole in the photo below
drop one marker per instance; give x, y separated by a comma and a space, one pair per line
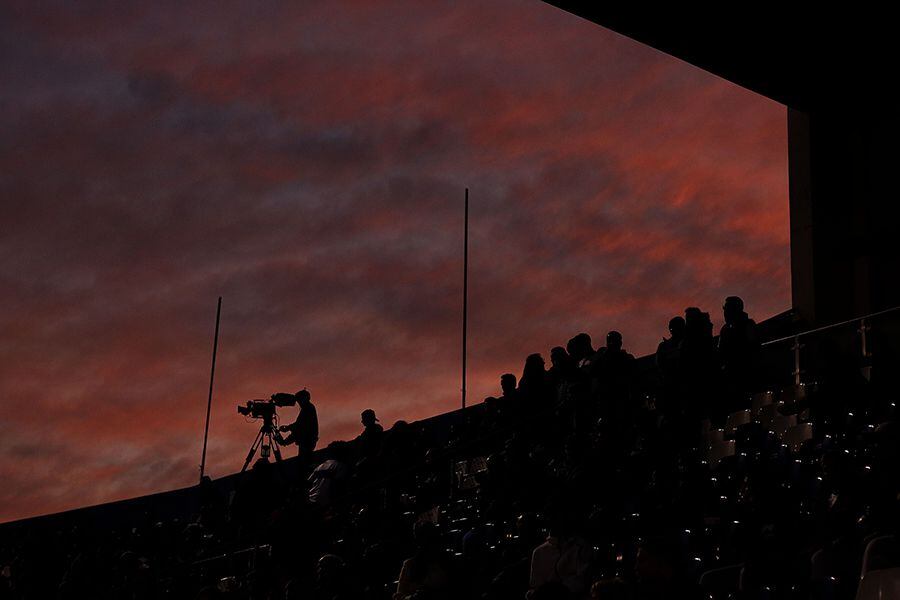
212, 374
465, 296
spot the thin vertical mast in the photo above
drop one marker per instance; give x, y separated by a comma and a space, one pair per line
212, 374
465, 296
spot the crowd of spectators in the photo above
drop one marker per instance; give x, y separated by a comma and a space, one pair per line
571, 483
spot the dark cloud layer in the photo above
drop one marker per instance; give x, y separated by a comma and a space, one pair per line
307, 161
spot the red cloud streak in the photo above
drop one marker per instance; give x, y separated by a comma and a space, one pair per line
307, 161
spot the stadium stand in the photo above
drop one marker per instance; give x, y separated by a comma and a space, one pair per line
577, 489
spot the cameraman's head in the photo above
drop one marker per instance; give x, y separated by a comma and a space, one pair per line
303, 398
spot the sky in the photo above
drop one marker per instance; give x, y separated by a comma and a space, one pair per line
307, 161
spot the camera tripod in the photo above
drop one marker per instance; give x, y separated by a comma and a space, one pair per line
267, 437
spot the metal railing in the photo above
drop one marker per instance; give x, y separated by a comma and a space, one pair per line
865, 351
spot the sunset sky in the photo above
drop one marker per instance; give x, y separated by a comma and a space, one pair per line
307, 162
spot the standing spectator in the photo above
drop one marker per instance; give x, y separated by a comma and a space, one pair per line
533, 388
738, 349
697, 365
580, 349
611, 379
668, 354
508, 387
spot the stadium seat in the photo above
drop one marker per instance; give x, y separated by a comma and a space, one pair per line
720, 450
735, 420
766, 415
760, 399
882, 552
721, 582
795, 393
796, 435
781, 424
880, 584
714, 436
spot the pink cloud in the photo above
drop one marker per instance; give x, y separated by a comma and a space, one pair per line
307, 163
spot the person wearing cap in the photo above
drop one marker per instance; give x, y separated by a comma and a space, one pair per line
368, 442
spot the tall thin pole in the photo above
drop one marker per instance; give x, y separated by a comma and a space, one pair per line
212, 374
465, 296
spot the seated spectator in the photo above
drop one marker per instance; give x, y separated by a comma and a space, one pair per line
659, 570
429, 573
552, 590
610, 589
327, 479
332, 581
398, 446
564, 558
368, 443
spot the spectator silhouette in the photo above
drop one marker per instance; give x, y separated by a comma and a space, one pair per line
698, 370
398, 446
332, 579
668, 354
580, 349
660, 513
738, 349
508, 388
428, 573
611, 379
327, 480
610, 589
368, 443
658, 570
668, 349
562, 368
533, 384
563, 559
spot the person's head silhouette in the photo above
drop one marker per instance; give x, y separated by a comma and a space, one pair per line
613, 341
508, 383
368, 417
303, 397
534, 364
733, 309
580, 347
559, 357
676, 328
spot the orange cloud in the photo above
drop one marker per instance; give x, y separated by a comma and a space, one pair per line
307, 162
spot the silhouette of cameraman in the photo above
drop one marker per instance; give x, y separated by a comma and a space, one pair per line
305, 430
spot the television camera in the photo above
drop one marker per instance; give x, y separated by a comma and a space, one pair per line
268, 438
265, 409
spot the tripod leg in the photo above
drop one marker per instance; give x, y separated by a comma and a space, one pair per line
253, 447
276, 450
